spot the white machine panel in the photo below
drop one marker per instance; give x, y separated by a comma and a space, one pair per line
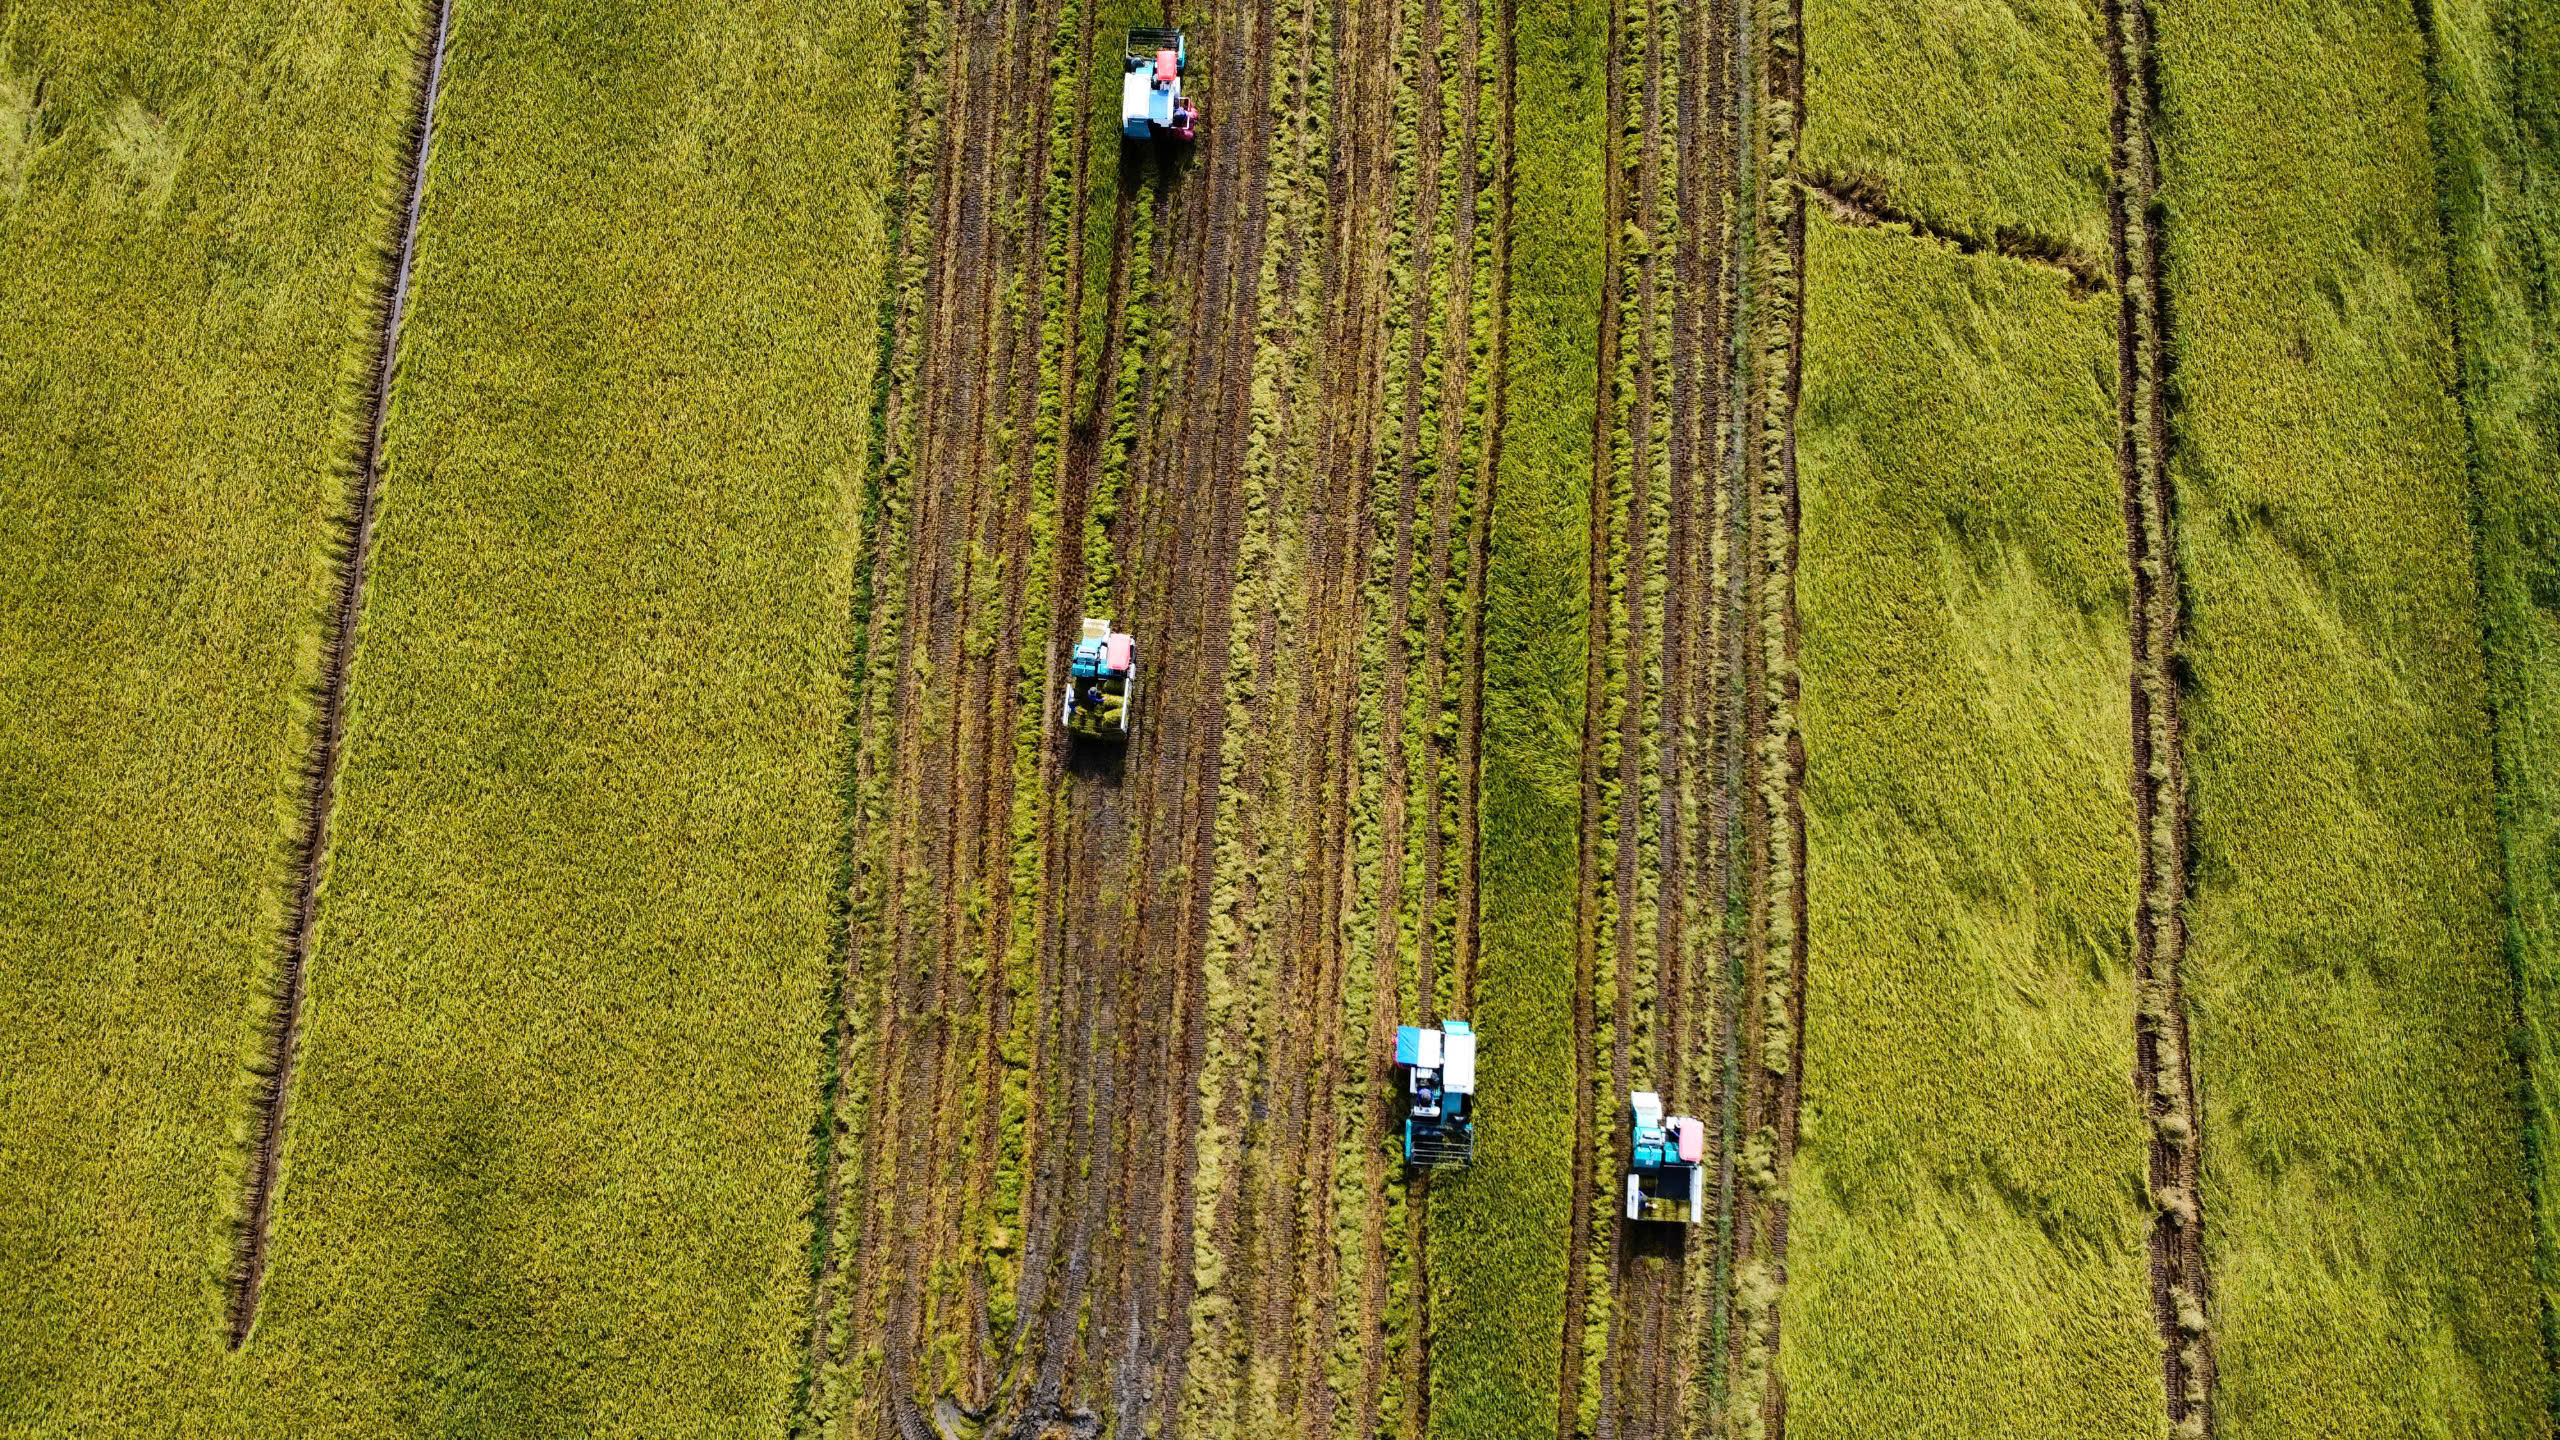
1459, 1076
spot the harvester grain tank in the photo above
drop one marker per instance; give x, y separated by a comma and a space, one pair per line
1439, 1093
1665, 1176
1152, 104
1102, 683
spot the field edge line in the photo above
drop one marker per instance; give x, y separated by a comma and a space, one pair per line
270, 1076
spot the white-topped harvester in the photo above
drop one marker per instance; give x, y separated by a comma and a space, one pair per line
1439, 1093
1152, 105
1665, 1175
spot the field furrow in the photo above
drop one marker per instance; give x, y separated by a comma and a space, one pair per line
2164, 1067
1662, 722
1117, 1148
329, 725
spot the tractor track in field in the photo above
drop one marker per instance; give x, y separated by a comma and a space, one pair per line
1456, 377
1071, 973
1695, 810
273, 1082
1387, 983
1676, 748
944, 772
1351, 377
2164, 1069
926, 833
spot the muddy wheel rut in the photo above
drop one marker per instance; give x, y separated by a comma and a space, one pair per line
1110, 1107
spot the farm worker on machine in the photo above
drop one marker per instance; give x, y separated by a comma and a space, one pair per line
1664, 1181
1440, 1092
1102, 683
1151, 100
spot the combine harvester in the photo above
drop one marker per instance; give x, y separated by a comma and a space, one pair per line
1152, 104
1439, 1093
1102, 683
1664, 1178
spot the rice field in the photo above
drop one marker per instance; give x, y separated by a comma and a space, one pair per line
186, 251
2364, 1211
1962, 592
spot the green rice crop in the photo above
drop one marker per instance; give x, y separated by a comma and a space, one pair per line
188, 242
548, 1163
1977, 116
2368, 1233
1497, 1234
1968, 1191
2497, 77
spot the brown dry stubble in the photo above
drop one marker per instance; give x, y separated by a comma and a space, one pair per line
1457, 349
951, 713
1231, 225
1008, 532
1448, 345
1248, 1219
942, 731
1645, 1372
1191, 527
1696, 857
1347, 420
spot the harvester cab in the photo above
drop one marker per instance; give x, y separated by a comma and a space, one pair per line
1151, 100
1102, 683
1439, 1093
1665, 1179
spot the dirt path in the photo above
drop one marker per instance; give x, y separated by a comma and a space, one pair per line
2164, 1071
269, 1099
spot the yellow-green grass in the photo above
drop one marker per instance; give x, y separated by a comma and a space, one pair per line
547, 1169
1498, 1232
1968, 1249
1976, 116
2497, 79
2364, 1213
189, 238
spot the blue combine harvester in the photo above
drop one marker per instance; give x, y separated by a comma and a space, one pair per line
1152, 105
1102, 683
1439, 1094
1664, 1177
